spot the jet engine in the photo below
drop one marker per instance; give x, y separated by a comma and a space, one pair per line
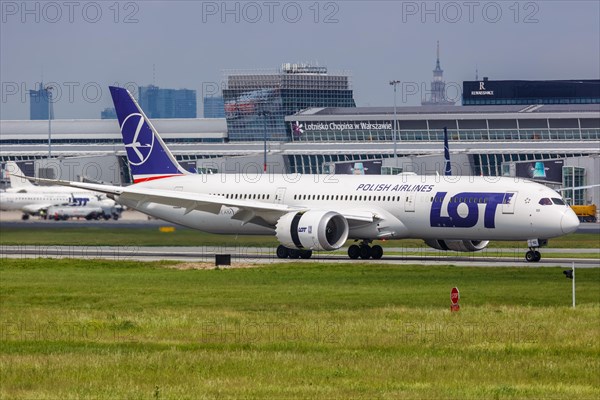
312, 230
458, 245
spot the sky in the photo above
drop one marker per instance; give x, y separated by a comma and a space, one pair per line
81, 47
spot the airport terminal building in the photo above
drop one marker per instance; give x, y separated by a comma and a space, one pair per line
488, 140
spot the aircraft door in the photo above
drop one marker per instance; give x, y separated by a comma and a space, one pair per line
508, 204
279, 195
409, 202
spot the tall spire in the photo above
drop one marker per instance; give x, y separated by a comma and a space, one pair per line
437, 63
438, 86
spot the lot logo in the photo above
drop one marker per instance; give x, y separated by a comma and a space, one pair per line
79, 201
138, 138
470, 210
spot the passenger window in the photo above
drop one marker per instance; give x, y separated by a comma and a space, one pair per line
546, 202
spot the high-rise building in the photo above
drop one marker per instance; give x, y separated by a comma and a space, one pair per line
214, 107
167, 103
40, 103
572, 91
108, 113
257, 102
438, 85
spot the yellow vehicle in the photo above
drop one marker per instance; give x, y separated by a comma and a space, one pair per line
586, 213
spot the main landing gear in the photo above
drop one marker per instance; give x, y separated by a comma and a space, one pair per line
533, 255
365, 251
284, 252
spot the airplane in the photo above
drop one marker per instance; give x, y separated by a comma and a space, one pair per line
321, 212
36, 200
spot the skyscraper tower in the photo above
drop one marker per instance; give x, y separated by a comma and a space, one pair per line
438, 86
40, 103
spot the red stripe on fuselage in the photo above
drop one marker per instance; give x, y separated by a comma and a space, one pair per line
151, 178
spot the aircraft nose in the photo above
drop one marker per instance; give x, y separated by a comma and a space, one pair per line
569, 222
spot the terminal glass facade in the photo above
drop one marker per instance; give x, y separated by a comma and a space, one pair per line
574, 177
432, 131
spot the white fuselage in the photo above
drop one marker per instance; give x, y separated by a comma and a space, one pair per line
405, 206
32, 200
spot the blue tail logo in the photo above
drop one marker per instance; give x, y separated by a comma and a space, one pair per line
140, 145
148, 156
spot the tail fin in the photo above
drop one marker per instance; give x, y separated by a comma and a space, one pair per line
14, 174
148, 156
448, 166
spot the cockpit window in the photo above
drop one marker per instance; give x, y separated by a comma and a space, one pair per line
559, 202
546, 201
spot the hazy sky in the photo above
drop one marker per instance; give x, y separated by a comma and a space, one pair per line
83, 46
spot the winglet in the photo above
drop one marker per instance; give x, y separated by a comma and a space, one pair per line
148, 156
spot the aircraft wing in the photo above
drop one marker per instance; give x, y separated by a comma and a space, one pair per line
36, 208
564, 189
96, 187
247, 211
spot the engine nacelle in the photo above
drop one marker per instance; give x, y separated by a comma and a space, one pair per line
312, 230
458, 245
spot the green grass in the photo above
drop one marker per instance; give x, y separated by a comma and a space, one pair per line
100, 329
187, 237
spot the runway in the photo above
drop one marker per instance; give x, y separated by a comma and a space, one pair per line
265, 256
261, 256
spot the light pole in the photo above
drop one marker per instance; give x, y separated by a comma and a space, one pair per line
394, 134
49, 99
264, 115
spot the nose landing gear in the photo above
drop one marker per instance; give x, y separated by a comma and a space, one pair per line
533, 255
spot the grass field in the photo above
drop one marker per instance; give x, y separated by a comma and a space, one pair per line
129, 330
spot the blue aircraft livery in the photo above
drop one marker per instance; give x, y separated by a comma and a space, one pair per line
147, 155
472, 201
79, 201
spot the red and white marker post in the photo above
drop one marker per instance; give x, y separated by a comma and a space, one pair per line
454, 298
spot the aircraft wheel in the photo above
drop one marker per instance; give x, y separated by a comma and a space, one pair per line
376, 252
306, 254
25, 217
538, 256
531, 257
282, 252
354, 252
365, 252
295, 254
